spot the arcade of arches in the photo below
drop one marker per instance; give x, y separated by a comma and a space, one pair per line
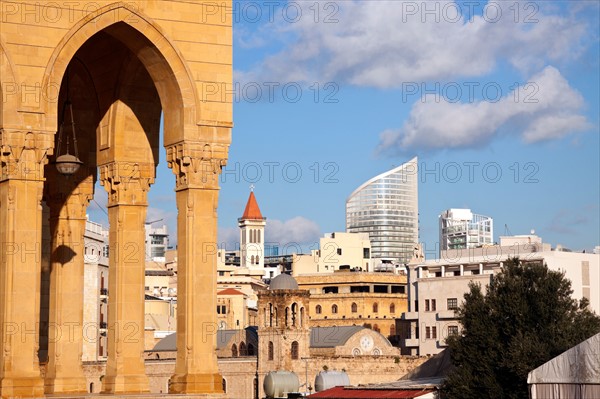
122, 66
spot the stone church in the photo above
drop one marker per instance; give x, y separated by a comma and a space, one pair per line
286, 341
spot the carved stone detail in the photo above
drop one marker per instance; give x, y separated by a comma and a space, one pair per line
197, 165
69, 197
127, 183
23, 154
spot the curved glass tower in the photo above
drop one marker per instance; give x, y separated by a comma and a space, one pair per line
387, 208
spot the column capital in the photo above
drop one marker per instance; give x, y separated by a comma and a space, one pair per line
127, 183
24, 153
69, 197
197, 164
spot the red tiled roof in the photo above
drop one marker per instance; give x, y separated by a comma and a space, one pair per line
365, 393
230, 291
252, 211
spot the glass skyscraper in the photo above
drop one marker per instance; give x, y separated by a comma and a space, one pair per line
387, 207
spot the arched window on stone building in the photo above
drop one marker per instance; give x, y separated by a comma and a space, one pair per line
243, 351
375, 307
234, 351
392, 308
270, 351
224, 385
354, 307
334, 309
287, 317
318, 309
295, 350
250, 350
252, 260
294, 314
301, 316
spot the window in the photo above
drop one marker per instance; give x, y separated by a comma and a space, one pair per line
375, 307
318, 309
366, 253
354, 307
334, 309
221, 309
434, 332
243, 349
250, 350
452, 303
427, 332
270, 351
433, 305
392, 308
224, 383
452, 330
234, 351
295, 350
339, 251
427, 305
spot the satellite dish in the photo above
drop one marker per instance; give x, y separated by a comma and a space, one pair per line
532, 231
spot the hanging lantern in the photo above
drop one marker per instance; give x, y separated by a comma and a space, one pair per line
67, 164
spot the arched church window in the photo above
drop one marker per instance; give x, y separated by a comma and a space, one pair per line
270, 351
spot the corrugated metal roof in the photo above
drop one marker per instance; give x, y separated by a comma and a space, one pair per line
329, 337
365, 393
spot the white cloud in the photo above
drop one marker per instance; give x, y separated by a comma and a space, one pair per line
294, 232
552, 111
385, 43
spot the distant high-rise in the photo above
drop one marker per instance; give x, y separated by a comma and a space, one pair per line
387, 208
461, 228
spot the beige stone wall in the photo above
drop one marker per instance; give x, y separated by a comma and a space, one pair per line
240, 373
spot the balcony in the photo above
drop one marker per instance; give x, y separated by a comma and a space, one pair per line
446, 314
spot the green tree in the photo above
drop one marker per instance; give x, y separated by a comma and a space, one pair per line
526, 317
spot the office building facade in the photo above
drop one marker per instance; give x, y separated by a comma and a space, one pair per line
386, 207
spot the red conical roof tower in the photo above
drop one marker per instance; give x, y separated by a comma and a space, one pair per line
252, 211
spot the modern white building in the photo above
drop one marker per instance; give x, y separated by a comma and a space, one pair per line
436, 287
337, 251
95, 301
157, 242
461, 228
387, 208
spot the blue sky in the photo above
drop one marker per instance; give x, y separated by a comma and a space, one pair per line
499, 101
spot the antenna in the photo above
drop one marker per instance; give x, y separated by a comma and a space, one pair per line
506, 230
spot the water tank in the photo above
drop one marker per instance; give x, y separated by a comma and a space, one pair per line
329, 379
278, 384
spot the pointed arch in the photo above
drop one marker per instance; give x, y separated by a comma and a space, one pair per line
10, 102
157, 53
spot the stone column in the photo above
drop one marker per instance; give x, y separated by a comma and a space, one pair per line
23, 155
68, 198
197, 168
127, 184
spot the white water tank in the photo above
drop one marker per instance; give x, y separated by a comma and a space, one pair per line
278, 384
329, 379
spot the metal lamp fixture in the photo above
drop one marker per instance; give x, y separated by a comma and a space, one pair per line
67, 164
